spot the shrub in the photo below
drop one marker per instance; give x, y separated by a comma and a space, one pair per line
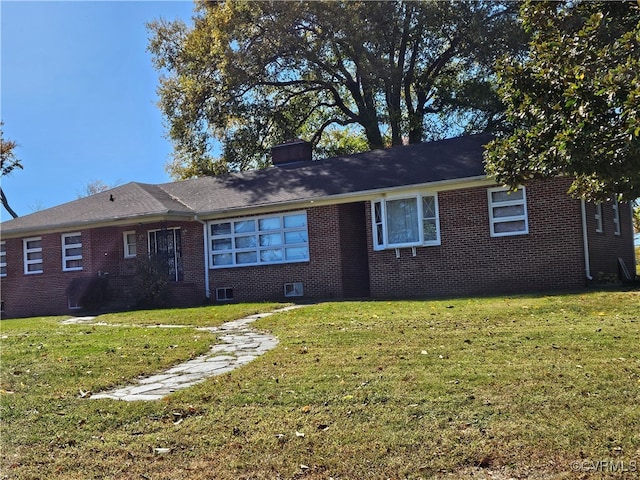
151, 288
91, 293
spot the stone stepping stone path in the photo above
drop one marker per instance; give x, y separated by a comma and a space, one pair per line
241, 344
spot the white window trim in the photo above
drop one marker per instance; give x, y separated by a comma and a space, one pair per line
68, 258
294, 289
127, 253
26, 251
598, 217
3, 258
385, 244
616, 217
494, 221
258, 248
222, 294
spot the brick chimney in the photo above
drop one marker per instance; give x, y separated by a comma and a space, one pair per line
291, 152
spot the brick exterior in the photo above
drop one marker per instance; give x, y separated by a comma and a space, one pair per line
606, 247
470, 262
102, 255
342, 261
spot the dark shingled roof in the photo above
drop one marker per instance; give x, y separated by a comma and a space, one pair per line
416, 164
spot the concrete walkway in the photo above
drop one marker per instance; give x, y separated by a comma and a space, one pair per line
241, 344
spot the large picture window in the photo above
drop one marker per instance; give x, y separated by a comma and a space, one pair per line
32, 249
508, 212
269, 239
71, 252
406, 222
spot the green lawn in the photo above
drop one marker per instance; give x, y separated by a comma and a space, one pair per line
501, 387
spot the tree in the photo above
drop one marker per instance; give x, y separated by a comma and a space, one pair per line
93, 187
574, 102
249, 75
8, 163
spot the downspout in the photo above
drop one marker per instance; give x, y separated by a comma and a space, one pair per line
206, 256
585, 241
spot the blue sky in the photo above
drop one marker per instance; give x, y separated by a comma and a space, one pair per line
78, 94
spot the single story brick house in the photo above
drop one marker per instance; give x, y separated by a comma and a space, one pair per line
420, 220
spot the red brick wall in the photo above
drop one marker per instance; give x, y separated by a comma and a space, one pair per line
321, 275
469, 261
102, 254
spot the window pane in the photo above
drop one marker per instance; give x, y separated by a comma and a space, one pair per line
31, 244
271, 255
3, 248
245, 226
221, 244
3, 270
429, 207
246, 242
72, 252
510, 211
402, 221
506, 195
131, 249
74, 240
221, 229
377, 212
74, 264
296, 237
34, 256
246, 257
272, 223
34, 267
270, 239
430, 230
380, 239
223, 259
292, 221
503, 227
297, 253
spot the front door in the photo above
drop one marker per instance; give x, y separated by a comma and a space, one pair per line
166, 247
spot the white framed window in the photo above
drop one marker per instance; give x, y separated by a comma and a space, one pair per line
405, 222
224, 294
508, 212
268, 239
295, 289
129, 241
616, 217
32, 254
3, 259
598, 218
71, 252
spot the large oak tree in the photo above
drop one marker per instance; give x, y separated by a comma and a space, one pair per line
248, 75
574, 102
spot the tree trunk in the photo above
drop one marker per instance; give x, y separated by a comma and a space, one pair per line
5, 204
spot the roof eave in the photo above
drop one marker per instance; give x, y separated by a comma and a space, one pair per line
112, 222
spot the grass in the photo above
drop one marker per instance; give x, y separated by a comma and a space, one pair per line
502, 387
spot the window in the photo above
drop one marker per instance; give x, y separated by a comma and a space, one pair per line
616, 217
294, 289
165, 249
32, 249
224, 294
405, 222
508, 212
259, 240
598, 217
129, 240
71, 252
3, 259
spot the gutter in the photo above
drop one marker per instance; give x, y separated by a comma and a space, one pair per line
206, 256
585, 241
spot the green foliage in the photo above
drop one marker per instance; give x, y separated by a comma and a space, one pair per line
151, 288
250, 75
574, 102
